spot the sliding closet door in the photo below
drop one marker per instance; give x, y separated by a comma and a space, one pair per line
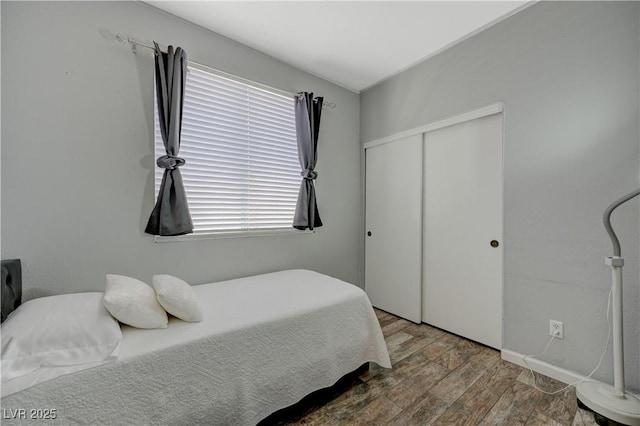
394, 227
462, 242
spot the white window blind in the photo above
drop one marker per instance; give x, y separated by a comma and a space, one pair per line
242, 172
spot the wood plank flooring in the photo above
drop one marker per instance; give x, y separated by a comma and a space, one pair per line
442, 379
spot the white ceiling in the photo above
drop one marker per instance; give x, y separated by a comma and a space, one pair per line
354, 44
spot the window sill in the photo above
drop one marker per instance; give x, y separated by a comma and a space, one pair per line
231, 234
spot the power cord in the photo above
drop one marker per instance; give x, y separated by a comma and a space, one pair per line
606, 346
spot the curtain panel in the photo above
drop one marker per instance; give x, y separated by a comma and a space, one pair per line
170, 216
307, 112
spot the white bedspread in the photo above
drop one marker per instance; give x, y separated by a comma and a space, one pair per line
265, 342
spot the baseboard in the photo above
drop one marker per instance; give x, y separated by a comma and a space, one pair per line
549, 370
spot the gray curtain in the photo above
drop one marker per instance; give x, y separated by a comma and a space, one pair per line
308, 111
170, 216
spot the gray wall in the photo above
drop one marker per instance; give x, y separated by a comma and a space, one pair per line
568, 73
77, 146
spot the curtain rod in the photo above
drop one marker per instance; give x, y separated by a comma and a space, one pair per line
135, 43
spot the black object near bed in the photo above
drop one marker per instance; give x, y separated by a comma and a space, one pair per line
11, 291
306, 405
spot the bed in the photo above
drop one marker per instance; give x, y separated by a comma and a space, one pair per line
265, 343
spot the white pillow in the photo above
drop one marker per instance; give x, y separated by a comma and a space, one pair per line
54, 331
133, 302
177, 297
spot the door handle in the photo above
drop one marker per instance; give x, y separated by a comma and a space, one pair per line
369, 234
494, 243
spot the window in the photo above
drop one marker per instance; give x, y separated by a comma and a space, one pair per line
242, 172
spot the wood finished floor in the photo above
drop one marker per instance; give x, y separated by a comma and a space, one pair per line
442, 379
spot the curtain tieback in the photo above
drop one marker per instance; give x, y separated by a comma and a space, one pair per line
170, 162
309, 174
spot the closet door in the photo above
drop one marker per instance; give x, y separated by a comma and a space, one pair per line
393, 261
462, 242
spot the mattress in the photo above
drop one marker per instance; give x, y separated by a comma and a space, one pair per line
265, 342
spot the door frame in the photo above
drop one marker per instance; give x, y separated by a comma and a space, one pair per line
435, 125
491, 109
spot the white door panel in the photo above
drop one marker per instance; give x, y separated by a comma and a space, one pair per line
462, 210
393, 260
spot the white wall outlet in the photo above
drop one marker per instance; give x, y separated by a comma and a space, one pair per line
556, 328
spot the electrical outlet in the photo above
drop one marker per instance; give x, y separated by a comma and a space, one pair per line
556, 328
